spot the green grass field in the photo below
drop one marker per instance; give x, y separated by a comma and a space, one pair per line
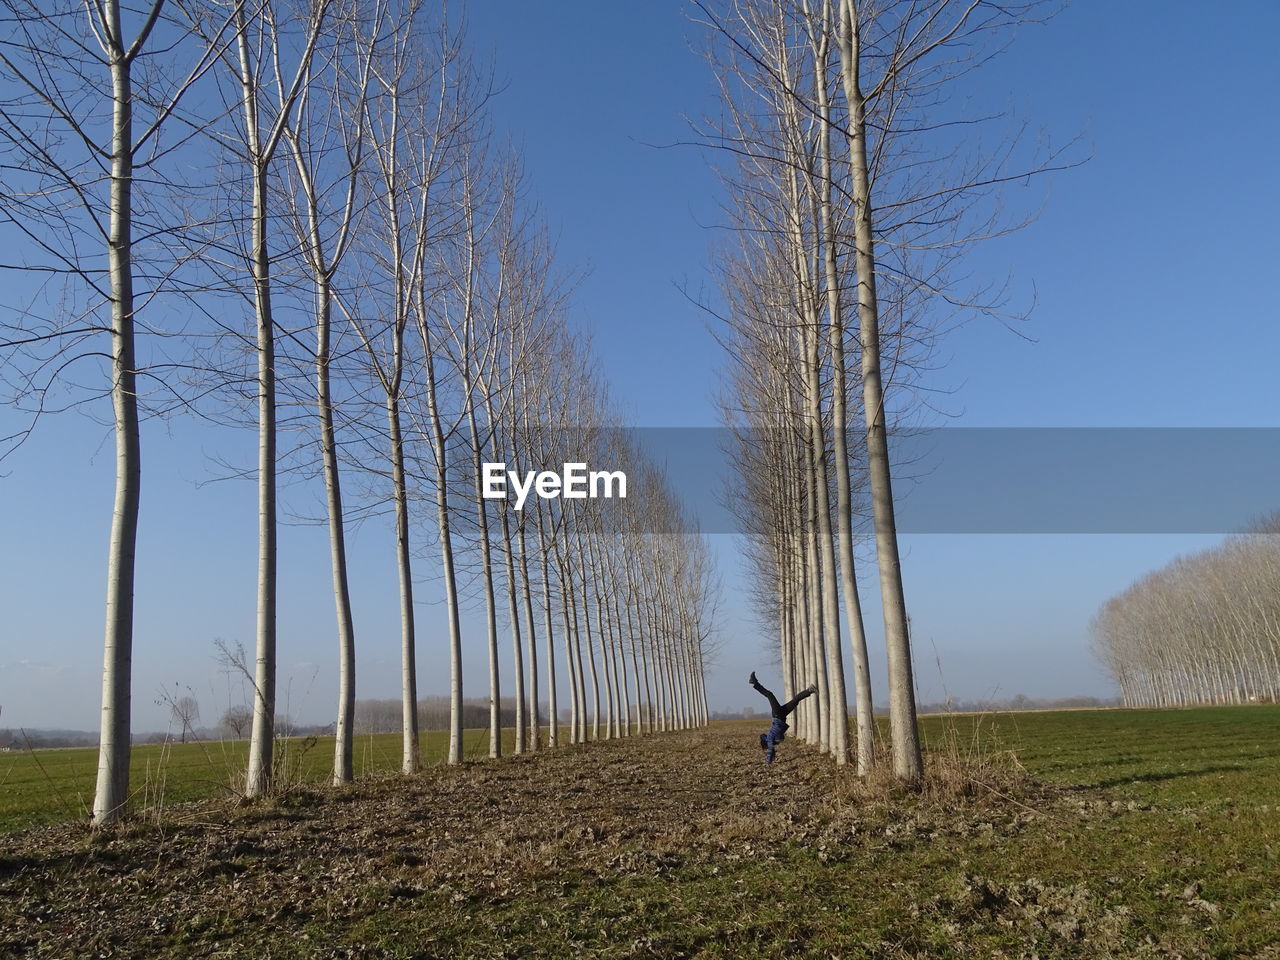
52, 786
1204, 755
1131, 834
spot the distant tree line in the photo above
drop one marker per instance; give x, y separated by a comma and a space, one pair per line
40, 739
377, 716
1019, 702
387, 716
1205, 629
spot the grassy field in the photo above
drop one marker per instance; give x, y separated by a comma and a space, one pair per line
1075, 834
51, 786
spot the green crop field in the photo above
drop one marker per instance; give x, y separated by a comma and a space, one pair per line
1083, 834
1202, 755
49, 786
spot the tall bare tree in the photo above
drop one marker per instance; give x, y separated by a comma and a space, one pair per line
415, 122
268, 92
77, 188
328, 142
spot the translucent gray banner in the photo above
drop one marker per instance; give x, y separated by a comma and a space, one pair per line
969, 479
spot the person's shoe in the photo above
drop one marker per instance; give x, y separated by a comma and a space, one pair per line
764, 743
752, 680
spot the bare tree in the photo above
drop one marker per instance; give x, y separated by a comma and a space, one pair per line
431, 423
820, 31
266, 92
328, 144
238, 721
422, 114
185, 711
77, 189
892, 60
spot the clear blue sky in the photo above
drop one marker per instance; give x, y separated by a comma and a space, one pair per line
1149, 265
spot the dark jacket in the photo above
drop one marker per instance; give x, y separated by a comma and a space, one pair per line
777, 732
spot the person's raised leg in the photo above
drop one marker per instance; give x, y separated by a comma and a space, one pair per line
774, 706
786, 708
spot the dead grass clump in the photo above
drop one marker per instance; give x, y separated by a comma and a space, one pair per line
960, 770
960, 766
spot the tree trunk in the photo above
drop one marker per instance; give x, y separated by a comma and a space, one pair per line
412, 759
262, 739
840, 421
553, 706
517, 650
446, 536
112, 791
907, 763
344, 733
535, 721
490, 603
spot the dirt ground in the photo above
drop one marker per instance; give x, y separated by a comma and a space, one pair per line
494, 827
669, 846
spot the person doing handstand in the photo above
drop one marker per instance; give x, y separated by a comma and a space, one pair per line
778, 729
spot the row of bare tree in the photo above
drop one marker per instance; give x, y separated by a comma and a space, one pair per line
1204, 629
291, 215
849, 208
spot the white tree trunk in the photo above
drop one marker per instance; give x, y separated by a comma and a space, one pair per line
553, 707
905, 735
112, 791
840, 423
441, 464
531, 633
412, 757
344, 737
